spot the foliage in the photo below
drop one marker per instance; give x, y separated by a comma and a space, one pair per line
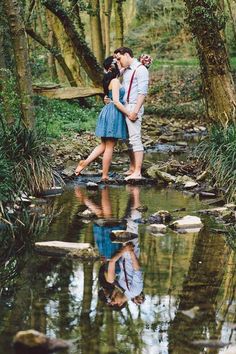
218, 152
25, 152
17, 241
231, 237
160, 28
175, 92
207, 13
6, 177
59, 118
8, 95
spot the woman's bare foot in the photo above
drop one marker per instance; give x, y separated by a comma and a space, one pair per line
80, 167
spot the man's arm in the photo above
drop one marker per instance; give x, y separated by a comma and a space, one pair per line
143, 79
112, 263
134, 115
134, 261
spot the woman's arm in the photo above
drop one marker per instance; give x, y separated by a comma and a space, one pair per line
115, 86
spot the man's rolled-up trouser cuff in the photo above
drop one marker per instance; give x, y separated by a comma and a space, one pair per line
134, 129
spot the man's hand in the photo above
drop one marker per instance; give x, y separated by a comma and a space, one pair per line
133, 116
106, 100
129, 247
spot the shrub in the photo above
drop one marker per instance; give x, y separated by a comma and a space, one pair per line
218, 152
58, 117
26, 160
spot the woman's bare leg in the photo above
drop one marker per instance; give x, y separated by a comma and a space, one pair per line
97, 151
107, 156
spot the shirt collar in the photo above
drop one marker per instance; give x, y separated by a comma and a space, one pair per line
134, 65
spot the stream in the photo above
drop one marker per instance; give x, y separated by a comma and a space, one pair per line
188, 285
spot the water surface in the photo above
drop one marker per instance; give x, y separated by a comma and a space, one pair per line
189, 280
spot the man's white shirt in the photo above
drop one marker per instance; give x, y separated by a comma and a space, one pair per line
140, 81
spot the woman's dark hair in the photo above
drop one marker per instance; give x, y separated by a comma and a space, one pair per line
110, 65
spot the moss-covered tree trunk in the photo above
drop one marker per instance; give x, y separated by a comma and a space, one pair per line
19, 43
4, 76
83, 52
66, 48
75, 10
51, 58
207, 20
119, 23
96, 30
107, 18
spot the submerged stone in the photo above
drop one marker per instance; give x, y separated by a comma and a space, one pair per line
161, 216
34, 342
60, 248
188, 224
122, 236
157, 228
210, 343
91, 185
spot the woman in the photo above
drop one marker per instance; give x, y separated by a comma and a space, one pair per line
111, 121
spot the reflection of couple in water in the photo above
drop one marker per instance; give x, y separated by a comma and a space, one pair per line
120, 275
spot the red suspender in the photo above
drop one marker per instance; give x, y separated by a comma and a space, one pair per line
130, 84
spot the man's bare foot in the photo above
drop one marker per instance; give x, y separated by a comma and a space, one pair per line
134, 176
80, 167
128, 173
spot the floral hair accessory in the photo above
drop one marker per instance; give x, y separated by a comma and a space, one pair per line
145, 59
113, 63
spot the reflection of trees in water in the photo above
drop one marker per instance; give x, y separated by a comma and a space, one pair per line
17, 240
201, 289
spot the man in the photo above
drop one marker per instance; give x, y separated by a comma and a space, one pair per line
135, 82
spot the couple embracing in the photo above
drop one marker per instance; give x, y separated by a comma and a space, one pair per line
121, 117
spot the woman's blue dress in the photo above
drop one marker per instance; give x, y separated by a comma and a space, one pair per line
111, 122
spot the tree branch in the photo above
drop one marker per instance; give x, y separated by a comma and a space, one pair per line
55, 52
81, 48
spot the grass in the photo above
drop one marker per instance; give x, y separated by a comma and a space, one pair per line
25, 155
157, 64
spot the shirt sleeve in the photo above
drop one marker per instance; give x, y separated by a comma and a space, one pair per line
142, 79
136, 286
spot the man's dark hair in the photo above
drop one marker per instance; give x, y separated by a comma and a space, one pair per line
123, 50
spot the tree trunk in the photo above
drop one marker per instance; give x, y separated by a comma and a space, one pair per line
119, 23
107, 18
83, 52
201, 288
51, 58
4, 77
39, 18
232, 19
76, 12
96, 30
206, 23
56, 53
130, 7
66, 48
19, 43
